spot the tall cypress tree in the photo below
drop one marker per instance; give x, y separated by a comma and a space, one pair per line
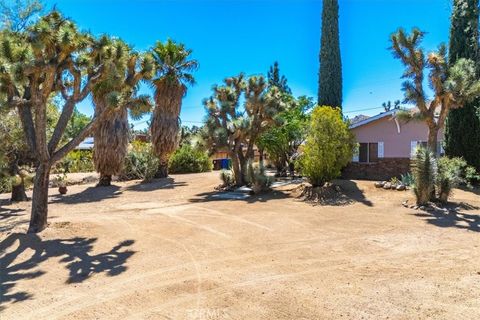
330, 76
462, 129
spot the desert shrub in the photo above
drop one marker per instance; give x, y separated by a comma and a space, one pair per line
424, 169
5, 184
451, 173
227, 178
140, 162
76, 161
189, 160
472, 177
407, 179
257, 178
328, 148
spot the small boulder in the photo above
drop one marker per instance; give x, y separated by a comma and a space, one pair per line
387, 185
401, 187
405, 203
421, 207
379, 184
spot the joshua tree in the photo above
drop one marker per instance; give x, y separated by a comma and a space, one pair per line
51, 58
118, 85
238, 130
173, 68
330, 75
452, 86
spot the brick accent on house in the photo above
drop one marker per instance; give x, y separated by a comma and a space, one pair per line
384, 169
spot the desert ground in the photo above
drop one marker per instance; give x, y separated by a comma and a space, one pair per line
171, 249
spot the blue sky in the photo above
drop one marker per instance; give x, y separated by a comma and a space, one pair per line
231, 36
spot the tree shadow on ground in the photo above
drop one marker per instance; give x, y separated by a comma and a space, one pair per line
91, 194
217, 196
9, 216
164, 183
352, 193
452, 215
74, 253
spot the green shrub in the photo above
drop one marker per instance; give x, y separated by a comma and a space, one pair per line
453, 172
424, 170
76, 161
140, 162
328, 148
189, 160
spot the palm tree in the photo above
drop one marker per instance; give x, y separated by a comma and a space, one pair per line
172, 75
118, 92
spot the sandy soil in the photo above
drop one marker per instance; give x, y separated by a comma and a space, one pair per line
167, 250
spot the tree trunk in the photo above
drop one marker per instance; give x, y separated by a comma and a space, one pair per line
18, 193
237, 171
260, 157
162, 170
432, 140
38, 220
105, 180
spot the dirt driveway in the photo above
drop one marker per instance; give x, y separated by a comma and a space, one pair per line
171, 250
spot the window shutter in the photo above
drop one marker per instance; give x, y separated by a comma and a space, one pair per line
380, 149
413, 148
356, 154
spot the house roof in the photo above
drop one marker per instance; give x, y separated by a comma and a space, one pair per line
374, 118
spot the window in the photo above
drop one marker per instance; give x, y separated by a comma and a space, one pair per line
368, 152
423, 144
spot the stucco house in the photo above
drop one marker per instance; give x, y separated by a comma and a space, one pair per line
386, 145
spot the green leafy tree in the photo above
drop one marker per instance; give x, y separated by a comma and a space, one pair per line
173, 73
51, 58
452, 86
277, 80
328, 148
330, 75
462, 129
281, 141
76, 124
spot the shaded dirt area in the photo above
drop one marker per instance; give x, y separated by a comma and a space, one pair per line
171, 250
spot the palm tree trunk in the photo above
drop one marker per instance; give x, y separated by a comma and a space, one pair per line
162, 169
38, 220
110, 143
165, 122
105, 180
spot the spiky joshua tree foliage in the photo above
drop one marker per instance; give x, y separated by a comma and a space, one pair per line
452, 86
117, 92
51, 58
173, 73
237, 127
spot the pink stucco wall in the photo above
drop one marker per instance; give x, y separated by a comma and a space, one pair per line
396, 145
